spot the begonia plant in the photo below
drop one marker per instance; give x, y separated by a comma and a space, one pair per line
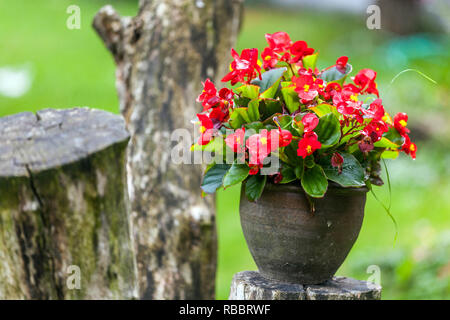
320, 125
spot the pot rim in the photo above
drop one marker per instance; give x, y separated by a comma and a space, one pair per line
296, 187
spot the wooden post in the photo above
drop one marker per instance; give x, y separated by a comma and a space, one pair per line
162, 56
250, 285
64, 222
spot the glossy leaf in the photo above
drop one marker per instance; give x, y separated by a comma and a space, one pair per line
314, 182
309, 62
328, 130
299, 171
236, 174
385, 143
352, 174
323, 109
291, 98
334, 75
388, 154
238, 117
213, 177
269, 107
288, 174
394, 136
215, 145
254, 187
250, 91
254, 126
253, 110
269, 78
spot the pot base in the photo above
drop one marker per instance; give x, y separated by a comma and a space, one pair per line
293, 245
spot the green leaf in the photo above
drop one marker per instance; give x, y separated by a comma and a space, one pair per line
393, 136
268, 79
237, 173
254, 187
323, 109
352, 174
238, 117
385, 143
309, 161
253, 110
291, 98
334, 75
215, 145
257, 125
288, 174
388, 154
291, 157
310, 61
328, 130
248, 91
314, 182
284, 121
298, 172
213, 177
269, 107
297, 125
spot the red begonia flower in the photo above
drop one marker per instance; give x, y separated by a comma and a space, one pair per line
375, 110
244, 68
206, 129
365, 144
375, 130
308, 144
285, 137
227, 95
219, 115
341, 64
270, 58
277, 178
306, 87
400, 123
365, 81
310, 122
259, 147
208, 97
236, 141
299, 49
336, 161
408, 147
254, 169
278, 41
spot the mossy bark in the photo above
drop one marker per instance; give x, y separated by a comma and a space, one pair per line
63, 203
162, 55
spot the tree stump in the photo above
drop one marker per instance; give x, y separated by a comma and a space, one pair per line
64, 222
162, 55
250, 285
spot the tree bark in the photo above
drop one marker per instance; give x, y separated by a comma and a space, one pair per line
64, 222
250, 285
162, 55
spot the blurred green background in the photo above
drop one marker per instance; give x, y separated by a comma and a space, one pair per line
43, 64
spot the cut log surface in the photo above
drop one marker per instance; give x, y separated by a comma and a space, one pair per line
64, 221
250, 285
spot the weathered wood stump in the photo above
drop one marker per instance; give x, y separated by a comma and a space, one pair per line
162, 56
250, 285
64, 221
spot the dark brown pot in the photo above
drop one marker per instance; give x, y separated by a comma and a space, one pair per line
291, 244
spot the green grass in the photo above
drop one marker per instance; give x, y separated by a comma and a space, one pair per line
69, 67
73, 68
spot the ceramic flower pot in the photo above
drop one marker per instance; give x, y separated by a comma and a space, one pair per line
289, 243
